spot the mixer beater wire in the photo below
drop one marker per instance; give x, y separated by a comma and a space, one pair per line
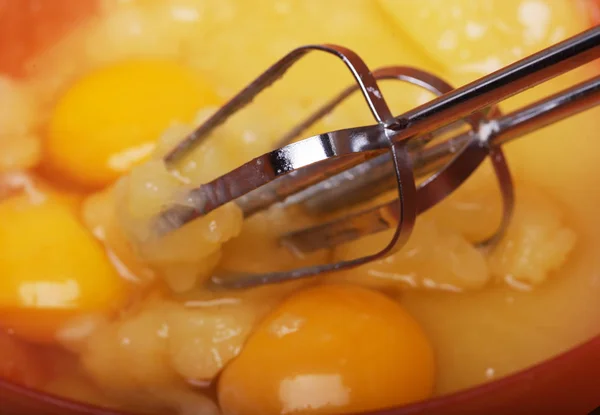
331, 171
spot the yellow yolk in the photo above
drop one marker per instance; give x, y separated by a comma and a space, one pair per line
52, 269
329, 350
109, 120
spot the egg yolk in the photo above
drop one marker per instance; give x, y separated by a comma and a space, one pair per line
328, 350
110, 119
52, 269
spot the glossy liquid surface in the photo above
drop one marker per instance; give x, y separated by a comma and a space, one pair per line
72, 130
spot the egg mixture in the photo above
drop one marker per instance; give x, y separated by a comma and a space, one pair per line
94, 307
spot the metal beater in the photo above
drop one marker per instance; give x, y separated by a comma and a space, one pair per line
329, 171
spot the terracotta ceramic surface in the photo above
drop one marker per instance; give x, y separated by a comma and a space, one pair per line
28, 26
566, 385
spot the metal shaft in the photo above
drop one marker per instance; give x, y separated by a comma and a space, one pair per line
376, 176
550, 110
427, 118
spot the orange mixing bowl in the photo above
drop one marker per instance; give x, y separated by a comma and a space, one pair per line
566, 384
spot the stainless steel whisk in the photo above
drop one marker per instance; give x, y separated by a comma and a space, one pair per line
333, 170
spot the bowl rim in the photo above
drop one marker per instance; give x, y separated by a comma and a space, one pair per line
420, 407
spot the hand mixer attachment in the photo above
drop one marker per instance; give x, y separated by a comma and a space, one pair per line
331, 171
